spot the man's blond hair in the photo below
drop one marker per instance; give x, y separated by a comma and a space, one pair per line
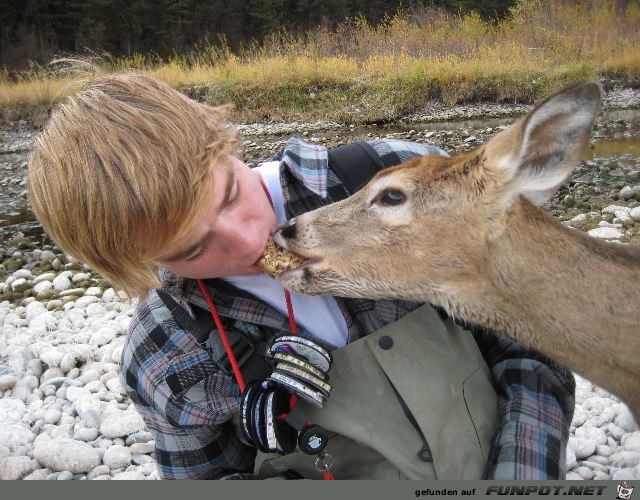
122, 171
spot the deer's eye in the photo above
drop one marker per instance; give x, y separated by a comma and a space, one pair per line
390, 198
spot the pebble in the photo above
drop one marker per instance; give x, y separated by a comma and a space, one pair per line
121, 423
65, 475
66, 454
11, 411
13, 468
143, 448
606, 233
52, 416
625, 420
7, 382
582, 447
86, 434
117, 456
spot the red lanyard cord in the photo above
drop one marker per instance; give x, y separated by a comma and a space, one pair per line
223, 337
326, 475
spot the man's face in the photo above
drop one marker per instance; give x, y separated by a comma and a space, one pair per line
232, 235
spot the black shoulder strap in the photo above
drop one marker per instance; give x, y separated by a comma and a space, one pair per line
249, 353
355, 164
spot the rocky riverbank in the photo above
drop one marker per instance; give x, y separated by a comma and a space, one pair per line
62, 327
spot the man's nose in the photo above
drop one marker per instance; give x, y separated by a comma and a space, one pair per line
288, 230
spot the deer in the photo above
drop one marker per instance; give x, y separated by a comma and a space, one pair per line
467, 233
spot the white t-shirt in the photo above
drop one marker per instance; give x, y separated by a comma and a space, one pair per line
319, 315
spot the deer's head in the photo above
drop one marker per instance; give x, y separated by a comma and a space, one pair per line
425, 227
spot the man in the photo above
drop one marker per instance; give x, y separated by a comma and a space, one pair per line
145, 185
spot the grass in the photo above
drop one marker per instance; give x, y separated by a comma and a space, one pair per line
359, 72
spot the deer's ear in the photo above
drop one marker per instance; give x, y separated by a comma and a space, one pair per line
538, 152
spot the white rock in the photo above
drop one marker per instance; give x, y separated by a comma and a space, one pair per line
22, 273
612, 209
593, 434
11, 411
632, 442
38, 475
95, 386
579, 416
625, 459
584, 473
635, 214
115, 386
129, 476
142, 459
103, 336
571, 459
19, 285
7, 382
603, 450
42, 286
52, 357
95, 309
15, 435
121, 423
622, 474
86, 300
44, 277
35, 309
116, 354
65, 475
109, 295
76, 393
606, 233
77, 278
577, 221
615, 431
626, 193
46, 322
13, 468
52, 416
625, 420
66, 454
52, 376
117, 456
86, 434
142, 448
572, 476
61, 283
22, 390
93, 291
582, 447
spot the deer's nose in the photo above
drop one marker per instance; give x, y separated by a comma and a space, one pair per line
288, 230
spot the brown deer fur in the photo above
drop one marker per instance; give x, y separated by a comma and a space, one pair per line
465, 233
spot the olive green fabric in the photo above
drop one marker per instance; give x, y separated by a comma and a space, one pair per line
439, 372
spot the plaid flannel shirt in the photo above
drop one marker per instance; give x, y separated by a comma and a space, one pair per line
188, 403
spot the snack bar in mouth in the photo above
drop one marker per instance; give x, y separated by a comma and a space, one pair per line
276, 260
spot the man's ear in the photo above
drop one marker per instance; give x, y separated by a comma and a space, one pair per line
537, 153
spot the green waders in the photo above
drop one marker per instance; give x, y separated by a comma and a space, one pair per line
437, 369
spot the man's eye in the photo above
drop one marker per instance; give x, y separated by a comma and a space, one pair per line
196, 256
234, 198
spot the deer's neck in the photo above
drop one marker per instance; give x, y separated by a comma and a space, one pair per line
570, 296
